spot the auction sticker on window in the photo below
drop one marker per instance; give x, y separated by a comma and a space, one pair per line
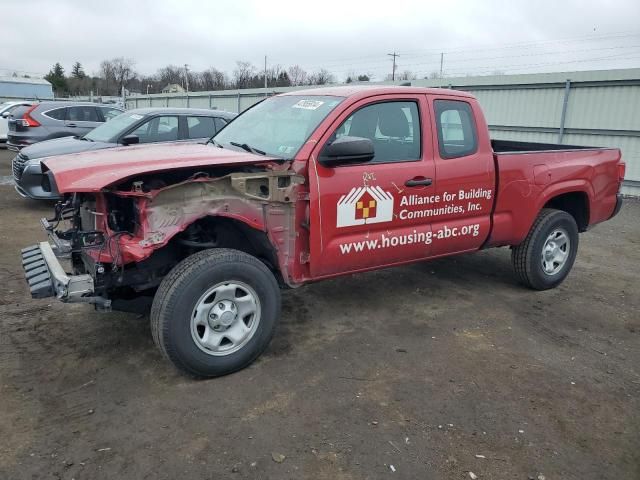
308, 104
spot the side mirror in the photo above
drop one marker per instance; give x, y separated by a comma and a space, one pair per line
130, 140
6, 114
347, 150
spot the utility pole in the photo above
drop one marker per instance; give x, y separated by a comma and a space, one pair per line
186, 76
393, 72
441, 62
265, 73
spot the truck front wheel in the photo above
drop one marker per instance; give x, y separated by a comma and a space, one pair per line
215, 312
546, 256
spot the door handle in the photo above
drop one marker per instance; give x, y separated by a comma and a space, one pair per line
71, 125
418, 182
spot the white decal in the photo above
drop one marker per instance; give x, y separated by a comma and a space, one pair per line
308, 104
417, 237
364, 205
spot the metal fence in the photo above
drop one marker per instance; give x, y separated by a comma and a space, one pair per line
594, 108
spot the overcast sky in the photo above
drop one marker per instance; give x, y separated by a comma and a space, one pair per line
477, 37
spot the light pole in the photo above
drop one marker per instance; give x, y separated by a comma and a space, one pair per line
148, 86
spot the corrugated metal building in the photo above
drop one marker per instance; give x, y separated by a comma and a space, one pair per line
18, 88
594, 108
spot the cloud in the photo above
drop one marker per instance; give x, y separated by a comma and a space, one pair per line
341, 36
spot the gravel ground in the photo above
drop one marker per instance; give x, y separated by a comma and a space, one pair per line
433, 371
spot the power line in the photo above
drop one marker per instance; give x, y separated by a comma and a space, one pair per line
436, 52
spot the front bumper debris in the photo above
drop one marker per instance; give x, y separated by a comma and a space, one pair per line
47, 278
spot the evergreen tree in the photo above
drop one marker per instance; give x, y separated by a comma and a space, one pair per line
77, 71
57, 79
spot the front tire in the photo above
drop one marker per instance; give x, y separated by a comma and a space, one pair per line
544, 259
215, 312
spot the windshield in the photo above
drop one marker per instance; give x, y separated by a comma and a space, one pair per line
278, 126
109, 131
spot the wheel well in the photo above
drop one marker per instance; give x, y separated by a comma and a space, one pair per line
222, 232
575, 204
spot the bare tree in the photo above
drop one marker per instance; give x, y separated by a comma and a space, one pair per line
297, 76
406, 75
213, 79
243, 74
170, 74
321, 77
116, 74
107, 73
123, 69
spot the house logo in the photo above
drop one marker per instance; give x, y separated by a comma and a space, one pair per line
364, 205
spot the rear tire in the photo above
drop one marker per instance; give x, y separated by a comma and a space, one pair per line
215, 312
544, 259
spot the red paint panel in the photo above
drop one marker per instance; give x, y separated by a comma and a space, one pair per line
92, 171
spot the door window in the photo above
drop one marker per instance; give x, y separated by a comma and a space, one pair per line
220, 123
158, 129
200, 127
82, 114
456, 129
109, 113
393, 127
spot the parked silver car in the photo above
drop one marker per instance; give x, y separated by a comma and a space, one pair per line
142, 125
47, 120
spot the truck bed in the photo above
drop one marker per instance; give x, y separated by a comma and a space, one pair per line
512, 146
529, 174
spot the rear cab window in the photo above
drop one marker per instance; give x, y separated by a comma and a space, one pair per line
456, 128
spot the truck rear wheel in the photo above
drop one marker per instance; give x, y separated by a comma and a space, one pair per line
215, 312
546, 256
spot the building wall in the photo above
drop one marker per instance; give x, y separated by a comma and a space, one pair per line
602, 108
11, 91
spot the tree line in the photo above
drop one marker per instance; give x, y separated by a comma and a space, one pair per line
118, 73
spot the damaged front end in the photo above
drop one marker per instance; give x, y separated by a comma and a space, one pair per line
121, 242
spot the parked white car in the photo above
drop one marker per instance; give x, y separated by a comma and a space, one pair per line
5, 110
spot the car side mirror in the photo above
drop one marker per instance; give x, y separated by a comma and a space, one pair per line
130, 140
346, 150
6, 114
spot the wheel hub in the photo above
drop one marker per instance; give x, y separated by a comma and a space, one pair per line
222, 315
225, 318
555, 251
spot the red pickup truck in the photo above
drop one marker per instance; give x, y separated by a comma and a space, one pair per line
301, 187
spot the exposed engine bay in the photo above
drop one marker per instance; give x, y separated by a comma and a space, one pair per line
129, 237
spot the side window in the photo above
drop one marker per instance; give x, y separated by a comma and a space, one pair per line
109, 113
456, 128
56, 114
158, 129
82, 114
220, 123
200, 127
393, 127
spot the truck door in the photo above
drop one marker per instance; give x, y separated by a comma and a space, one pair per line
465, 175
355, 209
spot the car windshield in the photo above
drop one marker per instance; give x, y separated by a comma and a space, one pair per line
109, 131
278, 126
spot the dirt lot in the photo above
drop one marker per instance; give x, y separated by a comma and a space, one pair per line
412, 372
